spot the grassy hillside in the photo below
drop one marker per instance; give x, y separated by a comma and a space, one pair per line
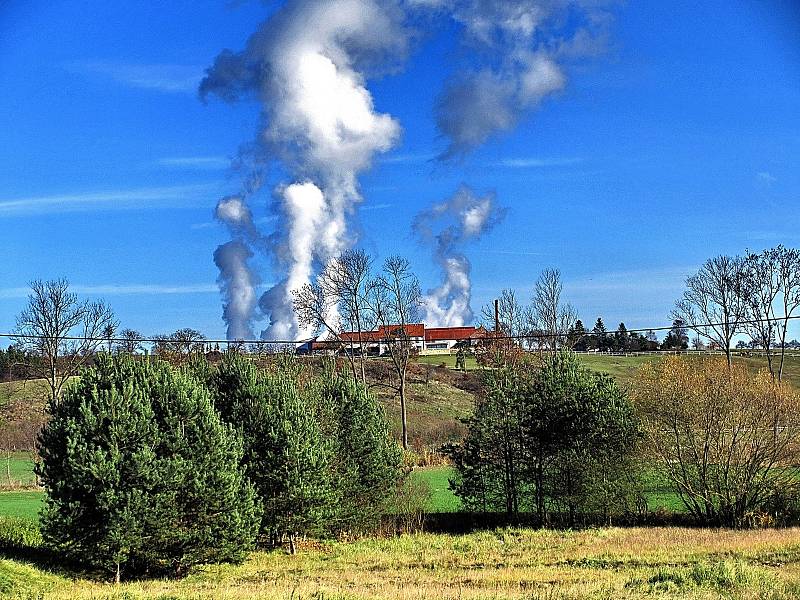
623, 368
501, 564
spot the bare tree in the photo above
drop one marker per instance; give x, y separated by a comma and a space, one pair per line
396, 300
713, 304
788, 262
760, 291
316, 309
510, 312
548, 315
772, 294
108, 333
187, 340
346, 279
338, 300
129, 341
62, 330
727, 439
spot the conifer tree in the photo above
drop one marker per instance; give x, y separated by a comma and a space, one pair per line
367, 460
141, 474
286, 454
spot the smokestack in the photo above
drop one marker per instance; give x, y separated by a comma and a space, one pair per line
497, 316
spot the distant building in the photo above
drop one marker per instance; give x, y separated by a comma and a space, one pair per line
433, 340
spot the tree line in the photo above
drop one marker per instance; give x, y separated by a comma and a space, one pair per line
151, 468
553, 439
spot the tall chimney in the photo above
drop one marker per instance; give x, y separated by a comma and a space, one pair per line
497, 316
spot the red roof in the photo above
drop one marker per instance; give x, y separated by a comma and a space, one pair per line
414, 330
366, 336
433, 334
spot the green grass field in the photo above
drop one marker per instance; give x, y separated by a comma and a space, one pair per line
16, 470
502, 564
21, 504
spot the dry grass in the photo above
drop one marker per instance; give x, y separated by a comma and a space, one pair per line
508, 563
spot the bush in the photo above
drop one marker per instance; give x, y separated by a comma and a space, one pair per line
559, 436
19, 535
319, 452
728, 440
142, 475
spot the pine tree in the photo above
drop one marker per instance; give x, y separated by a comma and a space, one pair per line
622, 340
141, 475
578, 337
600, 338
286, 454
367, 460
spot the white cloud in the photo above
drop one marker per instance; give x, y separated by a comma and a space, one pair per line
212, 163
536, 163
766, 177
122, 289
108, 200
407, 158
382, 206
167, 78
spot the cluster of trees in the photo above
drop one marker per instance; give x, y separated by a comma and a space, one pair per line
551, 436
350, 296
542, 323
150, 468
756, 295
547, 322
620, 340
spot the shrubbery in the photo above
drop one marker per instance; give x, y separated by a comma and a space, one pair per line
318, 450
728, 439
141, 473
554, 436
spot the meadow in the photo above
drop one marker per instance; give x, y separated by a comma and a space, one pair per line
504, 563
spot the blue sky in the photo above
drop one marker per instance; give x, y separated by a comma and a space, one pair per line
680, 141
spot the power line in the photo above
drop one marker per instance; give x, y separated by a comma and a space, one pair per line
521, 336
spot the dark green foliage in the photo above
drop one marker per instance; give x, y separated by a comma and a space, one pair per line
142, 475
366, 463
318, 452
285, 453
552, 436
600, 338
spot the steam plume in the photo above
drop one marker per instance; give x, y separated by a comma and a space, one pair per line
449, 226
236, 279
307, 64
237, 284
519, 46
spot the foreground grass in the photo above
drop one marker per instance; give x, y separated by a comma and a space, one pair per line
508, 563
21, 504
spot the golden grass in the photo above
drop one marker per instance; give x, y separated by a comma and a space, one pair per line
501, 564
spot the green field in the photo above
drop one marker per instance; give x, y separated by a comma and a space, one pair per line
21, 504
16, 470
502, 564
442, 499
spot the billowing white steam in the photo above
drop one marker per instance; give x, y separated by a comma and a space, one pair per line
236, 279
449, 226
308, 65
237, 283
516, 48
